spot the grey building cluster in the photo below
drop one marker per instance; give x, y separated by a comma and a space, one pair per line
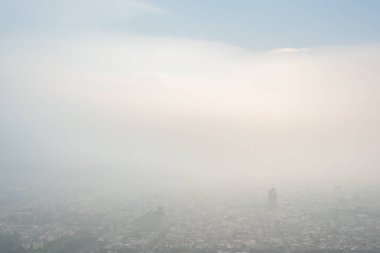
196, 223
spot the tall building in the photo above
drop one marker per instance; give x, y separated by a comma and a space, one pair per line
272, 199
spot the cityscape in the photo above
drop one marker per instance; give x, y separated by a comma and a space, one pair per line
189, 126
331, 221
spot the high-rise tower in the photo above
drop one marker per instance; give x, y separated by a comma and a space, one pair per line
272, 200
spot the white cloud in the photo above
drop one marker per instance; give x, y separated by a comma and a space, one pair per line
289, 50
196, 107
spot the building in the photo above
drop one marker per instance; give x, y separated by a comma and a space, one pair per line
272, 200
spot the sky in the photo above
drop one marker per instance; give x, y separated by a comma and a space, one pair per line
259, 24
190, 91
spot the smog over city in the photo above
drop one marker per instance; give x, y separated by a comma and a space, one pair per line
136, 126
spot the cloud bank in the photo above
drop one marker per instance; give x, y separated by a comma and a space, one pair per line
193, 109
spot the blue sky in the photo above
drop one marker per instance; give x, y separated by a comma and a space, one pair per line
257, 24
270, 24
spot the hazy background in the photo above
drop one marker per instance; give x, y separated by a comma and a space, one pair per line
160, 94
